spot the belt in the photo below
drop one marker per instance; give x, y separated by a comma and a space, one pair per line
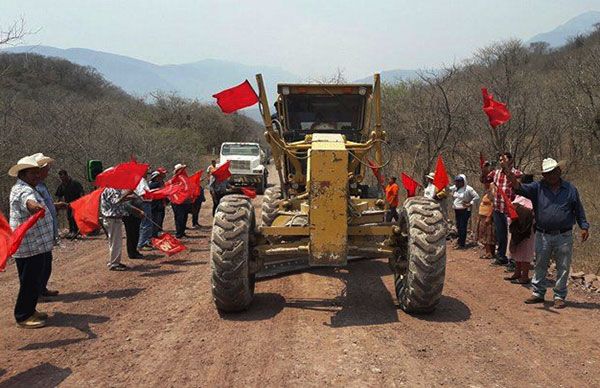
554, 232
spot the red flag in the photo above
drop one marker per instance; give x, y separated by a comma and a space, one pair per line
510, 209
124, 176
5, 237
380, 177
163, 192
13, 239
440, 178
248, 192
235, 98
194, 182
497, 112
222, 172
167, 244
183, 194
410, 185
85, 211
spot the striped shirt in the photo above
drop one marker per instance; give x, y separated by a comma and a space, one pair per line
501, 182
40, 238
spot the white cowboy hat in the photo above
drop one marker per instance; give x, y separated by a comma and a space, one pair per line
550, 164
42, 160
179, 166
430, 175
23, 164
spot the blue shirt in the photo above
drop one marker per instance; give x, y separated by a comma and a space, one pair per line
555, 211
49, 202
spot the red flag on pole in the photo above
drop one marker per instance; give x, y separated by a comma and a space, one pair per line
164, 192
410, 185
85, 211
497, 112
5, 238
11, 240
124, 176
376, 171
222, 172
167, 244
510, 208
182, 180
440, 178
194, 182
248, 192
238, 97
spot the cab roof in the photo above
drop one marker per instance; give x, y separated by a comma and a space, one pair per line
325, 89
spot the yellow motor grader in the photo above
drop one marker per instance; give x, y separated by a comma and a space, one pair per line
321, 211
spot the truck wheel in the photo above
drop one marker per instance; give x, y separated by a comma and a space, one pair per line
232, 235
270, 205
420, 281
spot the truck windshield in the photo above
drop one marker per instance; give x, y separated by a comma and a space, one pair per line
240, 149
322, 113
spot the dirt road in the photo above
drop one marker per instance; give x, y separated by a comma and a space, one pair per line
156, 326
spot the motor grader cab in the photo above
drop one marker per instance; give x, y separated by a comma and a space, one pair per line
321, 138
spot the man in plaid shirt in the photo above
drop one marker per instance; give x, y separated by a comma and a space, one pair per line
37, 244
500, 221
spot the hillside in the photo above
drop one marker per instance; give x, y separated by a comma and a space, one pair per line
196, 80
73, 114
579, 25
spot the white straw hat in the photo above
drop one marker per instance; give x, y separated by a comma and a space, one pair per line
550, 164
431, 175
23, 164
179, 166
42, 160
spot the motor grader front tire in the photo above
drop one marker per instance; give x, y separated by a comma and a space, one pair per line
270, 205
419, 283
233, 226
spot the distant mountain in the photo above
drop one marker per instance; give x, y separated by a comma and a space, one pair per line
193, 80
581, 24
391, 76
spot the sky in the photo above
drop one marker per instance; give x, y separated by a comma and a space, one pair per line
310, 38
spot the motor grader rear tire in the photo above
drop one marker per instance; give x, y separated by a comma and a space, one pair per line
233, 226
270, 205
419, 287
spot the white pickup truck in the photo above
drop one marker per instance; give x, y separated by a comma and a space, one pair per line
246, 166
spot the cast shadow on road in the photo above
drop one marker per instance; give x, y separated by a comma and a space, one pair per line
448, 310
43, 375
81, 296
365, 300
159, 273
265, 305
185, 263
80, 322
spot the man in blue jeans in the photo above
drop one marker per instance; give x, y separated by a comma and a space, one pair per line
557, 208
501, 182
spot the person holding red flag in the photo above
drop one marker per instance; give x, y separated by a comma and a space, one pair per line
37, 244
157, 181
197, 197
180, 202
391, 198
220, 185
503, 185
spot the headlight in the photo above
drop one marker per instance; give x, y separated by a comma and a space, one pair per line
362, 91
285, 90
